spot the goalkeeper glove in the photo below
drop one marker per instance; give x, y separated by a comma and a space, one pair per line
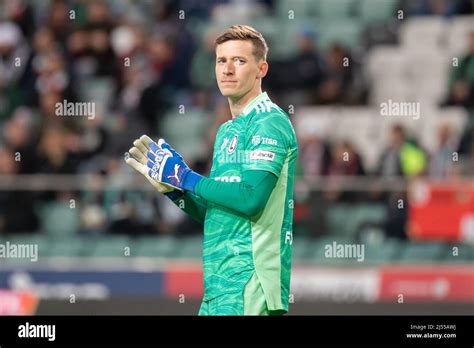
167, 166
138, 161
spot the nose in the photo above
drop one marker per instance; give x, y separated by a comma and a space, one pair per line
228, 68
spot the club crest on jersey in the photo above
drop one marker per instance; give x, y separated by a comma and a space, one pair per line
233, 145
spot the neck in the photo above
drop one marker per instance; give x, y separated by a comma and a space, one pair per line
238, 105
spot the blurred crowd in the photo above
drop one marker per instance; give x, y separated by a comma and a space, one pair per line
137, 60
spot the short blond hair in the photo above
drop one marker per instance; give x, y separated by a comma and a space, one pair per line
245, 33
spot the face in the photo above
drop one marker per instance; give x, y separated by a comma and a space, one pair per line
237, 70
397, 137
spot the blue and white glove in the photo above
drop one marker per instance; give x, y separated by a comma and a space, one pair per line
138, 161
168, 167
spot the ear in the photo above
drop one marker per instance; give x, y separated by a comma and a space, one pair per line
263, 69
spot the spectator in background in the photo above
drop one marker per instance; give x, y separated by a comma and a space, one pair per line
169, 77
203, 65
466, 150
389, 166
345, 161
19, 136
43, 42
13, 52
54, 158
441, 161
98, 28
436, 8
400, 158
461, 80
89, 46
98, 16
176, 33
130, 212
128, 43
314, 159
86, 143
403, 157
53, 155
390, 163
465, 7
52, 76
299, 77
162, 56
17, 213
337, 87
58, 21
308, 64
157, 97
47, 107
21, 13
314, 156
78, 53
15, 69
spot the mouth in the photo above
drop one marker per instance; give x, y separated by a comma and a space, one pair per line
228, 81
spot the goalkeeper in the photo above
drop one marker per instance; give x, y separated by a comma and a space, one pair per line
246, 205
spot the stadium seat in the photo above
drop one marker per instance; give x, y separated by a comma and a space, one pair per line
385, 59
66, 247
286, 30
458, 253
187, 140
342, 31
346, 219
333, 9
110, 246
457, 39
301, 248
428, 252
300, 8
238, 12
455, 117
189, 247
339, 220
371, 11
371, 213
427, 32
58, 219
268, 26
385, 252
162, 246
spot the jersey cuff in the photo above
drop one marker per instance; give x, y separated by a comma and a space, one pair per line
191, 180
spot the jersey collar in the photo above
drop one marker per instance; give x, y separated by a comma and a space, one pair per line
254, 102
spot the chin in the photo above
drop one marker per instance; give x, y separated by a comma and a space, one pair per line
227, 92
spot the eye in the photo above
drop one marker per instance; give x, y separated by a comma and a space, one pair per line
239, 61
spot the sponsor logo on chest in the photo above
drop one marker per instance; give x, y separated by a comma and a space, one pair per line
257, 140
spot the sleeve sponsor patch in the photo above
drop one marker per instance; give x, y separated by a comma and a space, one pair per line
262, 155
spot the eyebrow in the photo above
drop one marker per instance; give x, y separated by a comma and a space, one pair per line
241, 57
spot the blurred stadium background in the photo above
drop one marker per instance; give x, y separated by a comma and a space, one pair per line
400, 185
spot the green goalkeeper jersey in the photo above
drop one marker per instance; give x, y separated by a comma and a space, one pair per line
237, 246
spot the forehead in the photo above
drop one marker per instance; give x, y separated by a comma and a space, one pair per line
233, 48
